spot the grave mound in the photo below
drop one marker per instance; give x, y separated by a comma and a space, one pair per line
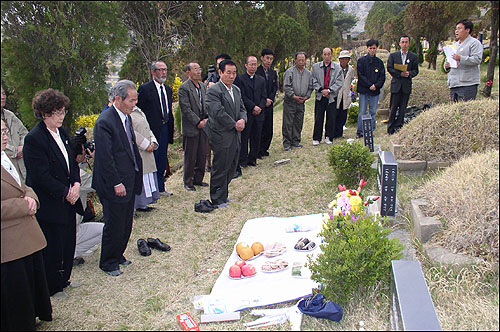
465, 198
451, 131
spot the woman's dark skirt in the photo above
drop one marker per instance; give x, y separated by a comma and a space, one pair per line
25, 294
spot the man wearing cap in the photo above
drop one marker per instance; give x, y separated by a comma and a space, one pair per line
344, 97
401, 82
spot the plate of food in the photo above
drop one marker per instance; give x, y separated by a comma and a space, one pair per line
241, 270
274, 266
304, 244
246, 252
274, 249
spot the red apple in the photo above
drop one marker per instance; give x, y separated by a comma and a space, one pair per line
235, 271
240, 263
248, 270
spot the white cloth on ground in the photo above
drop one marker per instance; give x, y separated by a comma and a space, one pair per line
88, 236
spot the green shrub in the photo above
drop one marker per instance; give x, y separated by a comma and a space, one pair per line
355, 254
351, 163
486, 57
352, 113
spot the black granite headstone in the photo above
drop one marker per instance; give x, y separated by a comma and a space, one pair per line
387, 182
366, 122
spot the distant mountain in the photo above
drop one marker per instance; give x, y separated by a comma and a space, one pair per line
358, 8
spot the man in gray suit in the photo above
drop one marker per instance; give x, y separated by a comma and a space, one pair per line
227, 117
327, 81
194, 117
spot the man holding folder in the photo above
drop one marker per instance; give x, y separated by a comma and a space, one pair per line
402, 66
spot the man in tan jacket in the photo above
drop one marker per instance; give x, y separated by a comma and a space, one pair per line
15, 138
344, 97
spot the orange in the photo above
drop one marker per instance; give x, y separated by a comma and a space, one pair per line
246, 253
257, 248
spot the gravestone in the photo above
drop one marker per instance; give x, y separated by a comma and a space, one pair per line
387, 176
366, 123
412, 308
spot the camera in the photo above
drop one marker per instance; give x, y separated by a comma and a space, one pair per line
80, 138
212, 74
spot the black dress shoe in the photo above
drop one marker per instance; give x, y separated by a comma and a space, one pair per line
298, 145
146, 209
259, 157
157, 244
265, 154
359, 135
201, 184
78, 261
252, 163
189, 188
143, 247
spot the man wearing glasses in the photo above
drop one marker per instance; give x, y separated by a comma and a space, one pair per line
155, 100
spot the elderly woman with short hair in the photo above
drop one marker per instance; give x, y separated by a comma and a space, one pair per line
53, 173
25, 294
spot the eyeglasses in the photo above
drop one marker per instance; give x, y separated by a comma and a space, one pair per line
5, 132
59, 112
161, 69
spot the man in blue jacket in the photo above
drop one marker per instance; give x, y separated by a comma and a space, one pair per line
371, 78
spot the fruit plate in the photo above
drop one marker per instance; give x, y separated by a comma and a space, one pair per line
274, 271
250, 259
242, 277
309, 249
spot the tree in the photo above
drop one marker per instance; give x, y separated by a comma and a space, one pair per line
343, 21
434, 19
493, 49
322, 32
394, 29
379, 14
62, 45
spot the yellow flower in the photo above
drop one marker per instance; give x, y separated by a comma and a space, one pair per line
487, 59
336, 212
355, 201
339, 195
332, 204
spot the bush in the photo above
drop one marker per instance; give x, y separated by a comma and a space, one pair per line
351, 163
352, 113
355, 254
486, 57
450, 131
86, 121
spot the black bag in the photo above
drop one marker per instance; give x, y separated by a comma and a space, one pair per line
316, 306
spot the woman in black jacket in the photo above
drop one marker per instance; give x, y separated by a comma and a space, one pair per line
53, 174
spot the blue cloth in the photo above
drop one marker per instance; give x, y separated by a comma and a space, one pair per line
364, 102
316, 306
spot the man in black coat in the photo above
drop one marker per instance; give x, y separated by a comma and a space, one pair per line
155, 100
401, 82
117, 176
253, 92
265, 70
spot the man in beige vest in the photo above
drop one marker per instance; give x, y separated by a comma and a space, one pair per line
15, 140
344, 97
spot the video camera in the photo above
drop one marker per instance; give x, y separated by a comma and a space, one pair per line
80, 138
212, 74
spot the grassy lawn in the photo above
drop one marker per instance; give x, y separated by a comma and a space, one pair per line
154, 289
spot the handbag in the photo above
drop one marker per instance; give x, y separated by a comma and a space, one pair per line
316, 306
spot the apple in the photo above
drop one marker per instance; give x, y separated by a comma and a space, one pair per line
235, 271
240, 263
248, 270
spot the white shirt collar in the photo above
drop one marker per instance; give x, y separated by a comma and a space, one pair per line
122, 115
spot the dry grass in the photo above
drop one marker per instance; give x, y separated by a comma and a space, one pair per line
450, 131
154, 289
465, 197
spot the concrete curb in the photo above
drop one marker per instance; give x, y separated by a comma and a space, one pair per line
416, 166
425, 228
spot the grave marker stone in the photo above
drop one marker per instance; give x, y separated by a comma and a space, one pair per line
366, 122
387, 181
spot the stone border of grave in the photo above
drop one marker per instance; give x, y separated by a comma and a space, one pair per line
424, 228
417, 166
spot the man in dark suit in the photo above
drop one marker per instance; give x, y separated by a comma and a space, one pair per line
253, 93
117, 176
265, 70
194, 117
401, 83
226, 120
155, 100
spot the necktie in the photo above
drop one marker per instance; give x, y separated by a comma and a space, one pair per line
129, 136
327, 77
164, 104
403, 57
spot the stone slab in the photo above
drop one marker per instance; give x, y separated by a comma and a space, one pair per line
443, 256
395, 149
433, 165
424, 227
